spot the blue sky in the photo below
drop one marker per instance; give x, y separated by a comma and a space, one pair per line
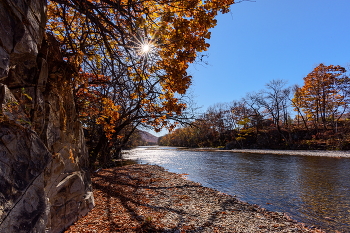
262, 40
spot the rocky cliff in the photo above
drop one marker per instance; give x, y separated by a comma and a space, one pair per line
44, 180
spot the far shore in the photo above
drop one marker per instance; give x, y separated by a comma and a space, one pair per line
324, 153
343, 154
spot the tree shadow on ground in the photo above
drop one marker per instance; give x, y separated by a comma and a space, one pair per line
123, 193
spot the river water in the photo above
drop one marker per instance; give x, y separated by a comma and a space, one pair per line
313, 190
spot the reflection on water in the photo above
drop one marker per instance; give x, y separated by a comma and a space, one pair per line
313, 190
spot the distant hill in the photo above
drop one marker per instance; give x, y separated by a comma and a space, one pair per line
148, 138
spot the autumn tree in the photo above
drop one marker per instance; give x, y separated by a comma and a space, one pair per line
131, 59
296, 102
325, 95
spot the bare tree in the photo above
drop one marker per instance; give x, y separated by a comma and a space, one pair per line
275, 101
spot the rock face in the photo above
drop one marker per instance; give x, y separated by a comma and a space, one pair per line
44, 180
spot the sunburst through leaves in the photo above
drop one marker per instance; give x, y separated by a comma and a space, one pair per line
145, 47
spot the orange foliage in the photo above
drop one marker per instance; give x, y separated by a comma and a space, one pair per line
95, 30
120, 83
324, 96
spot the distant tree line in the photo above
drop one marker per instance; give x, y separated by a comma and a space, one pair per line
313, 116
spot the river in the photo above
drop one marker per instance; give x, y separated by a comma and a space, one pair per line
312, 190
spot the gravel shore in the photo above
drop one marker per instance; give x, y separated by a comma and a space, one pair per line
343, 154
147, 198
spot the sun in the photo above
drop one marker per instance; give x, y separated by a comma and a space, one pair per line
145, 48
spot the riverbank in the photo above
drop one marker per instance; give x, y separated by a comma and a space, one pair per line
340, 154
324, 153
146, 198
